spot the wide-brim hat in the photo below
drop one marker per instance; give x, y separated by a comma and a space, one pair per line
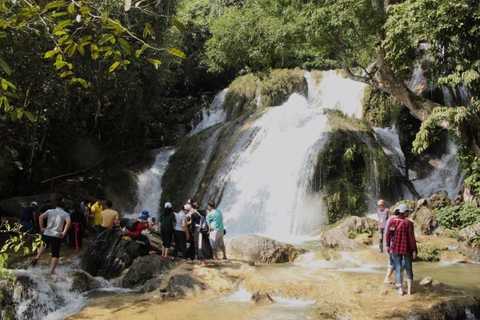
144, 215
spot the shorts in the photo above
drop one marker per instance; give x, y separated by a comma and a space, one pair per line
27, 226
55, 243
216, 239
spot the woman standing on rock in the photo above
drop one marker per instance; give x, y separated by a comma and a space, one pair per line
201, 241
180, 231
167, 221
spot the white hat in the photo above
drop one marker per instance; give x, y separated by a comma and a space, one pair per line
168, 205
403, 207
187, 207
34, 204
380, 202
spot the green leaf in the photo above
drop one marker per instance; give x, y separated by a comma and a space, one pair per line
5, 66
106, 38
125, 45
71, 8
30, 116
54, 4
176, 52
60, 64
66, 74
72, 49
51, 53
148, 30
155, 62
180, 26
62, 25
94, 51
81, 81
113, 66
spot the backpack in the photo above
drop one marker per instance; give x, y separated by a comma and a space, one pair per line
203, 226
131, 224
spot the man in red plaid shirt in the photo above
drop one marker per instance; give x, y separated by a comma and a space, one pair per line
403, 246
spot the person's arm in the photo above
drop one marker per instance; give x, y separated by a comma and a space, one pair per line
35, 218
185, 228
387, 235
40, 221
66, 227
411, 239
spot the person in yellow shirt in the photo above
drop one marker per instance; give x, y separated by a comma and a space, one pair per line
96, 210
109, 217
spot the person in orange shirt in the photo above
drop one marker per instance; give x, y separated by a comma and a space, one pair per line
109, 217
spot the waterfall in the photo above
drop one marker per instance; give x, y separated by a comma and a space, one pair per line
445, 176
214, 114
149, 188
263, 183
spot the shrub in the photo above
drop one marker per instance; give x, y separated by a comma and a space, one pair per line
428, 252
458, 217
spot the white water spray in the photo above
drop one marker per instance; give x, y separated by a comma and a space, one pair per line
264, 183
149, 188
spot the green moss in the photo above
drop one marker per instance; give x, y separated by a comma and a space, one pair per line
379, 107
278, 85
349, 159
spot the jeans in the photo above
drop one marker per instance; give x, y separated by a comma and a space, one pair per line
397, 259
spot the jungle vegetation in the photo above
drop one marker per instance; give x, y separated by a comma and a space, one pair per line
88, 81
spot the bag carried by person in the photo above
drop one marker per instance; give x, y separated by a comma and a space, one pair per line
203, 226
131, 224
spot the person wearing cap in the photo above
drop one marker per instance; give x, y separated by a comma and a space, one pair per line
29, 220
383, 215
137, 233
167, 221
215, 222
181, 234
391, 263
57, 227
403, 246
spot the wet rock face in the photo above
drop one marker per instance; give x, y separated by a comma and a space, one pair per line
184, 285
262, 250
109, 255
147, 268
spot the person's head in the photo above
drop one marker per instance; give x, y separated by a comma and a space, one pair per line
61, 204
144, 216
404, 209
189, 201
187, 208
381, 204
195, 206
48, 201
211, 205
86, 201
99, 200
396, 212
59, 198
168, 205
76, 206
34, 204
109, 203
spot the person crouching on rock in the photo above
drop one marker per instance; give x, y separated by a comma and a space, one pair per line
140, 226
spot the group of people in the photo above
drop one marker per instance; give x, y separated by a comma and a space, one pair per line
400, 243
54, 222
196, 233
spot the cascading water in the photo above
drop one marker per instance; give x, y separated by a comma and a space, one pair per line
214, 114
149, 188
263, 184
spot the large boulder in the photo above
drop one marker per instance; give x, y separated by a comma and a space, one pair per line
262, 250
340, 238
468, 245
109, 255
184, 285
147, 268
424, 215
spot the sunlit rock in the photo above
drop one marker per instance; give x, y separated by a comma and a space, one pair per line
262, 250
147, 268
340, 237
